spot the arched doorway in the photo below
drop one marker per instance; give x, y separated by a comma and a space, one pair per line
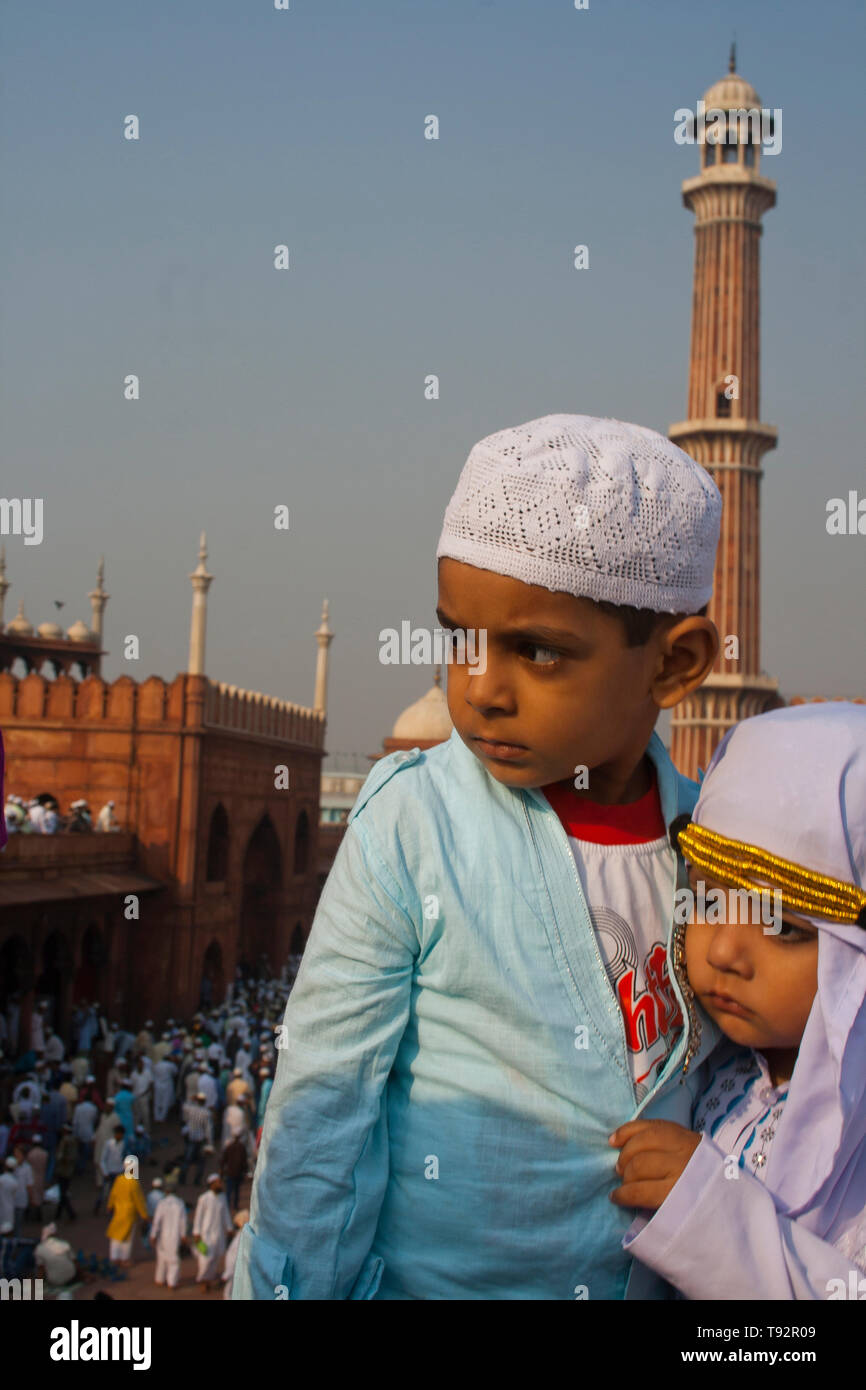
90, 976
302, 843
213, 989
55, 982
262, 880
16, 990
218, 846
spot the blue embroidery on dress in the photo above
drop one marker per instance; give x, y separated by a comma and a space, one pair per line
735, 1101
771, 1133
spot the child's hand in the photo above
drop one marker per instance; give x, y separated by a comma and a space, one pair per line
653, 1155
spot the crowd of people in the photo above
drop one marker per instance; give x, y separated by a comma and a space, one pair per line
104, 1100
41, 815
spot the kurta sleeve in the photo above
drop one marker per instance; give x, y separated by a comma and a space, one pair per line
722, 1237
323, 1165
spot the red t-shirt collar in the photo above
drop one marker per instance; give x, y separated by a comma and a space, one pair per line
632, 824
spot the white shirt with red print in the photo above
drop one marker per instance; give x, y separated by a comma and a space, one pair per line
627, 874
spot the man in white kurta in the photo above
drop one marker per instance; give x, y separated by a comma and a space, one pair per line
235, 1123
26, 1098
8, 1192
241, 1218
211, 1224
167, 1230
142, 1090
37, 1030
164, 1077
208, 1087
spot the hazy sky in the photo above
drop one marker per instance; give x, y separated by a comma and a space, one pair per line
407, 257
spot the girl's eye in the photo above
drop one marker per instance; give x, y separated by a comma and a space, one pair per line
549, 656
791, 933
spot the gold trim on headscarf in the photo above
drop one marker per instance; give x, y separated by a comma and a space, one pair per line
748, 866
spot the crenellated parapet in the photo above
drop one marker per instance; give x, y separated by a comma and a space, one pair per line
125, 703
122, 702
247, 711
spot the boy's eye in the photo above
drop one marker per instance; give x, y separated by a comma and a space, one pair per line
548, 655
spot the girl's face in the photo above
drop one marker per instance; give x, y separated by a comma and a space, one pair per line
758, 988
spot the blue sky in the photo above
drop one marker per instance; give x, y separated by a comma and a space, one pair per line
408, 257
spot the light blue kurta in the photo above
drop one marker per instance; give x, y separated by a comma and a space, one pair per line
455, 1058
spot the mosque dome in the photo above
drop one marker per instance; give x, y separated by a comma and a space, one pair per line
428, 720
732, 93
49, 630
79, 632
19, 625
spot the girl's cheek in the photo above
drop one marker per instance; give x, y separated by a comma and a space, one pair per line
697, 940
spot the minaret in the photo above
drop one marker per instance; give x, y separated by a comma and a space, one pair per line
98, 599
5, 586
201, 582
324, 637
724, 431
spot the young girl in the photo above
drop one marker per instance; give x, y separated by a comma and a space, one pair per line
765, 1196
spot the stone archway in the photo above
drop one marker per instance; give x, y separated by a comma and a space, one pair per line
302, 843
213, 987
262, 879
90, 976
16, 990
55, 981
218, 844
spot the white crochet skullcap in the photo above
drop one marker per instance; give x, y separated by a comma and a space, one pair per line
591, 507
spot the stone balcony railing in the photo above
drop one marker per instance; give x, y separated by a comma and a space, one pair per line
66, 853
250, 712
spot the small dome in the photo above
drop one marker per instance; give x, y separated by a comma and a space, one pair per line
79, 632
19, 625
732, 93
427, 720
49, 630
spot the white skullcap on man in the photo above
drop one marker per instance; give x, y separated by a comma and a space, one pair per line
591, 507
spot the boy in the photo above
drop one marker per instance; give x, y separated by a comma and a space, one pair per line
456, 1054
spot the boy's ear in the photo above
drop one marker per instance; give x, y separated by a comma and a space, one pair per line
687, 650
